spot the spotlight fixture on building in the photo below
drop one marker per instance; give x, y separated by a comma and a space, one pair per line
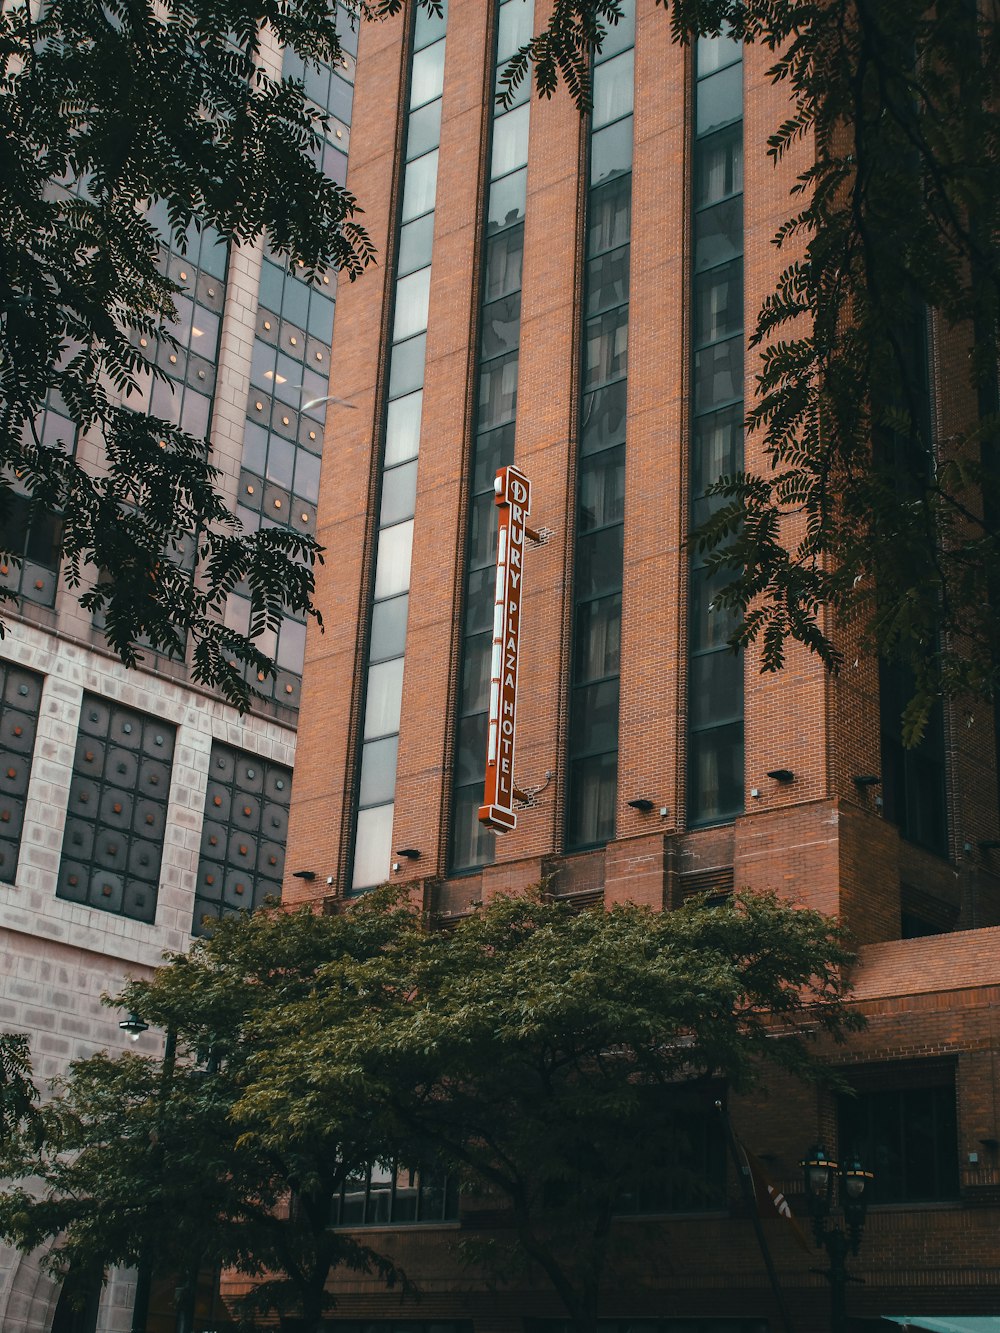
642, 803
782, 775
820, 1171
411, 853
304, 874
866, 780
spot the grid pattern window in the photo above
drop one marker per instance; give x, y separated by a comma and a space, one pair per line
34, 538
20, 700
472, 845
685, 1172
117, 812
372, 853
391, 1195
600, 500
290, 377
243, 836
906, 1133
715, 672
198, 267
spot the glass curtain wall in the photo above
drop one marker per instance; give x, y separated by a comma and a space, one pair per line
290, 375
473, 846
715, 672
372, 852
600, 503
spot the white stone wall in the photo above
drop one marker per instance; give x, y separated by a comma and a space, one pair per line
58, 958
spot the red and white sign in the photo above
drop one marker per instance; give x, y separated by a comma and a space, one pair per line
513, 498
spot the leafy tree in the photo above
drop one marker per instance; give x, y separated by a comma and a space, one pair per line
105, 110
539, 1052
18, 1094
140, 1161
863, 512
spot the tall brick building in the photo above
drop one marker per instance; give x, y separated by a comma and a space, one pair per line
573, 297
135, 804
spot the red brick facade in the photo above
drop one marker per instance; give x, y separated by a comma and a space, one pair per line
818, 839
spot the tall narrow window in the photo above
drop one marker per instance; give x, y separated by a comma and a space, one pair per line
383, 698
600, 501
715, 672
493, 442
20, 702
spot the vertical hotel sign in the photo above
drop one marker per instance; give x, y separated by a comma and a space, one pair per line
513, 499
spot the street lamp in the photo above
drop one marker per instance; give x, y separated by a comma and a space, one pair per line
820, 1170
133, 1025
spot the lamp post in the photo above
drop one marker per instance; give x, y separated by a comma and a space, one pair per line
820, 1170
134, 1025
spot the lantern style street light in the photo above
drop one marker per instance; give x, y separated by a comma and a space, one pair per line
820, 1170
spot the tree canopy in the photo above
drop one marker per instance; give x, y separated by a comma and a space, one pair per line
111, 114
536, 1053
865, 511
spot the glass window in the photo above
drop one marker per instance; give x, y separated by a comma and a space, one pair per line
471, 749
399, 493
718, 302
402, 428
416, 240
506, 202
711, 626
613, 85
718, 374
504, 254
607, 280
406, 371
593, 784
494, 450
605, 347
388, 634
609, 216
412, 296
501, 326
593, 726
280, 461
597, 639
471, 844
483, 534
718, 166
427, 75
599, 562
497, 392
21, 694
712, 53
514, 28
423, 129
392, 565
420, 186
383, 698
320, 318
908, 1136
602, 490
719, 99
718, 234
716, 688
378, 771
715, 774
611, 151
480, 596
291, 650
621, 34
604, 417
428, 26
373, 847
307, 468
476, 660
510, 141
